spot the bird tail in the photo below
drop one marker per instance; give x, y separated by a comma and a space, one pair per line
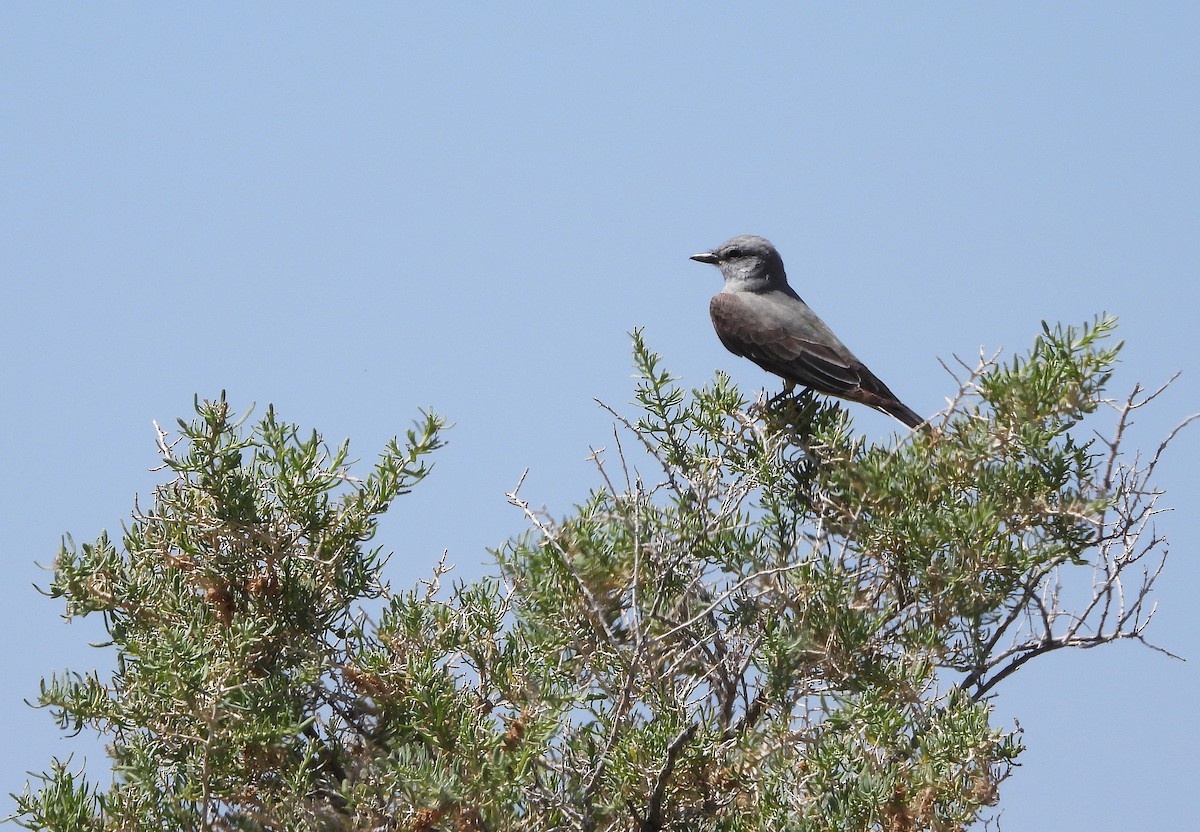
889, 404
904, 414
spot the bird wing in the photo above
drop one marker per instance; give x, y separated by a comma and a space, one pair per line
778, 332
783, 336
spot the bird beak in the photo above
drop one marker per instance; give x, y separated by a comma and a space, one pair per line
705, 257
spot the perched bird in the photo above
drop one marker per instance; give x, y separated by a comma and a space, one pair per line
758, 316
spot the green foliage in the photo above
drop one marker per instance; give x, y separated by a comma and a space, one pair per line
784, 628
232, 607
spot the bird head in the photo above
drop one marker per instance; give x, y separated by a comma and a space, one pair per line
747, 262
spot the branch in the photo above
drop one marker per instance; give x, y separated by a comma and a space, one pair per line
654, 819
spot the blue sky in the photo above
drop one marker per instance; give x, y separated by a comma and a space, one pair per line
353, 212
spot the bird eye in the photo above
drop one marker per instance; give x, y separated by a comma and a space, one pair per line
734, 253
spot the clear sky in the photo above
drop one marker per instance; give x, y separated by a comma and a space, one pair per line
353, 212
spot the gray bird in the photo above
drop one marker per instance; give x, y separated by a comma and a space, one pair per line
758, 316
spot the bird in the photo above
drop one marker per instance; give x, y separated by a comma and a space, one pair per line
757, 315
